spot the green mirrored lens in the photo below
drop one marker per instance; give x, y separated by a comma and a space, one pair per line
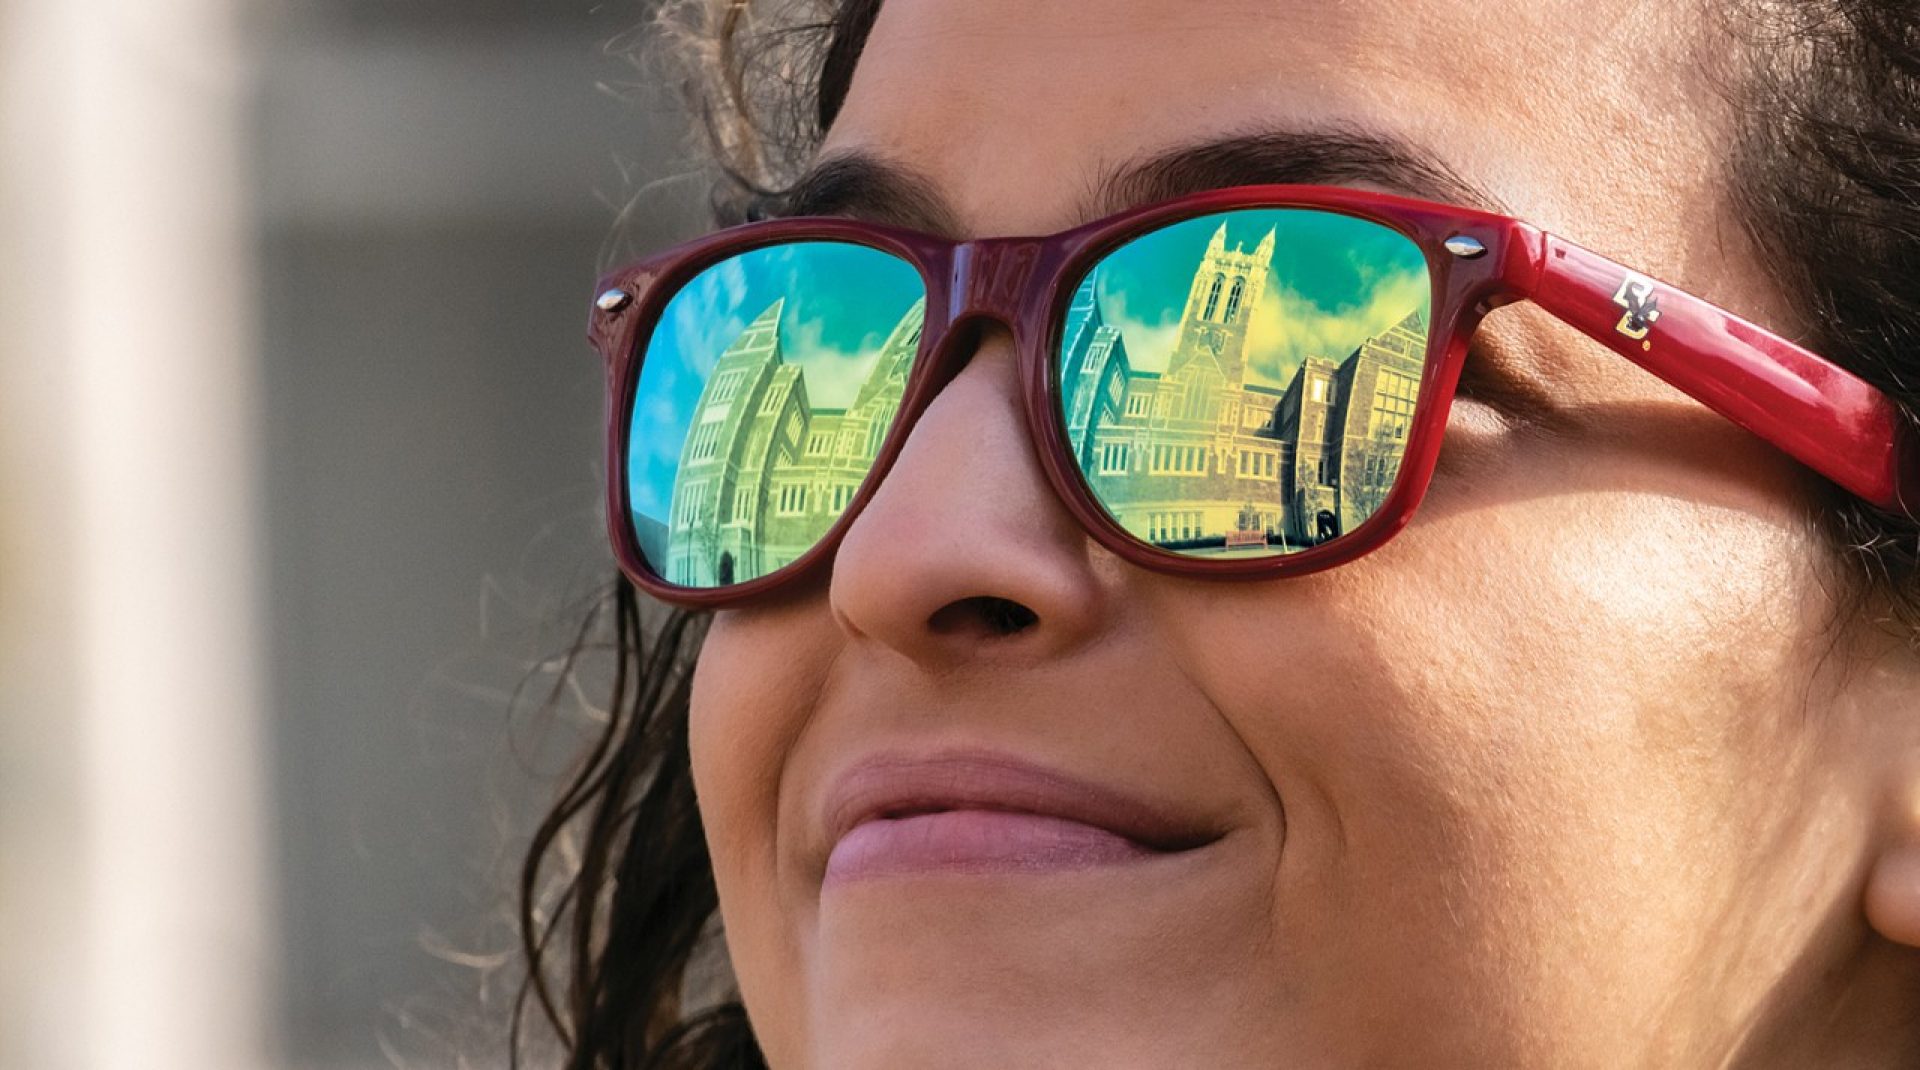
766, 390
1242, 384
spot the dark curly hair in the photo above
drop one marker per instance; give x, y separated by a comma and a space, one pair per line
618, 907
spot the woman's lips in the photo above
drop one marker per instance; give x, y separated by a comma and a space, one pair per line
974, 841
961, 812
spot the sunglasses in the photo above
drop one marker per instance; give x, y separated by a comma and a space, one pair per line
1247, 382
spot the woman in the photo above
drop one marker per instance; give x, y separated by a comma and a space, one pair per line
1609, 758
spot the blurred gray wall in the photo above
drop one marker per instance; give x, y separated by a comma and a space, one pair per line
438, 184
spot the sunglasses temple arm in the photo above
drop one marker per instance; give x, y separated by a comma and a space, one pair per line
1819, 413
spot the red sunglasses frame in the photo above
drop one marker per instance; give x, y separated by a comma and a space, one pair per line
1817, 412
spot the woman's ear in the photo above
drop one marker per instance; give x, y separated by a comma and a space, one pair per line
1892, 899
1884, 709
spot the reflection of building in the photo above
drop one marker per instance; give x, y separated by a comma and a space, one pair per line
762, 473
1197, 457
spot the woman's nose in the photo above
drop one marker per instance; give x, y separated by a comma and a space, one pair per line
964, 548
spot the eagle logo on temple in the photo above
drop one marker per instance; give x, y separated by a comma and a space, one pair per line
1642, 306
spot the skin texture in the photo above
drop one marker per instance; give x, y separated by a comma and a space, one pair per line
1576, 772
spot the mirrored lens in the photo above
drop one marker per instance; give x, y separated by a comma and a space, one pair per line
1242, 384
765, 392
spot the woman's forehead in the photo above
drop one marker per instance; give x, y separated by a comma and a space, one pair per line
1013, 110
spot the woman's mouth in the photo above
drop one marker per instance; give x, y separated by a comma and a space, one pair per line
971, 841
981, 812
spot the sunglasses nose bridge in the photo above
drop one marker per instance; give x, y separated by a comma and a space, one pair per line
991, 277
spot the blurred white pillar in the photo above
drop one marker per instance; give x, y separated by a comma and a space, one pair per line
127, 605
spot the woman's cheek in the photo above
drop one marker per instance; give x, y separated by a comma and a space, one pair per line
1531, 708
746, 713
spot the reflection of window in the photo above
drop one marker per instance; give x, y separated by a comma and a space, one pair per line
1179, 459
1137, 404
1320, 471
1393, 399
819, 443
742, 503
1394, 342
1213, 297
793, 427
727, 385
1233, 299
842, 494
1319, 389
693, 498
1114, 457
706, 439
793, 499
771, 403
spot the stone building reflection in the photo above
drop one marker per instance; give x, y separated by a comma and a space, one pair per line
764, 472
1199, 459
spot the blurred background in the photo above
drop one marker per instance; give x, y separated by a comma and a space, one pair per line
299, 478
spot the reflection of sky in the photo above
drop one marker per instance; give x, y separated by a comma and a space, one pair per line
842, 301
1337, 281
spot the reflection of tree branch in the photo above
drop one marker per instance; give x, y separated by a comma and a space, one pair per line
1377, 475
705, 537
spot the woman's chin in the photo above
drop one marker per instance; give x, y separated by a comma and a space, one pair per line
1032, 956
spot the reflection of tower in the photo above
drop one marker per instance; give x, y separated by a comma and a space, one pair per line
1182, 455
1228, 285
764, 472
712, 459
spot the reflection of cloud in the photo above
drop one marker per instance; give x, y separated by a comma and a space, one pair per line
654, 447
834, 375
700, 336
1286, 327
1150, 344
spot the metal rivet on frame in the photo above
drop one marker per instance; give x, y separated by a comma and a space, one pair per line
613, 301
1465, 248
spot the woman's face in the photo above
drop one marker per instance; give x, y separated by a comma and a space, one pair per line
1560, 777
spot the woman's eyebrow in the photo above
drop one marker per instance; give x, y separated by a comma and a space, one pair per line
866, 186
1335, 155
